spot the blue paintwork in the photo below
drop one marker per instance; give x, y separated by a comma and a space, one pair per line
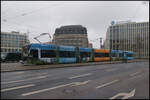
67, 60
116, 51
113, 51
130, 58
120, 51
85, 49
43, 46
66, 48
89, 50
129, 52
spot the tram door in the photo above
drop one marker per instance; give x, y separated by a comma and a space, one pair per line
34, 53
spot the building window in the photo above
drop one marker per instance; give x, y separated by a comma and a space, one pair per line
2, 50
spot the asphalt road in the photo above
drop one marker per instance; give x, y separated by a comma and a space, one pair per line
111, 81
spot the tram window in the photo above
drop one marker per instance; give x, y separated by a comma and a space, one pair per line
120, 55
66, 54
114, 55
34, 53
130, 55
106, 54
99, 54
48, 53
85, 54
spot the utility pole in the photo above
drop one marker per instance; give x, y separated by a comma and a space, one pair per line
27, 41
101, 42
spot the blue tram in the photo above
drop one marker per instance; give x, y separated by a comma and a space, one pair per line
66, 54
116, 55
129, 55
70, 54
85, 54
43, 52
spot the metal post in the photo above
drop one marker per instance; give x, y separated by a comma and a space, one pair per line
101, 42
49, 37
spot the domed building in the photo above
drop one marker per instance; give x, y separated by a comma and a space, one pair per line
71, 35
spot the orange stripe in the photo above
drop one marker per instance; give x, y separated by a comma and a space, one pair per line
107, 58
102, 59
101, 50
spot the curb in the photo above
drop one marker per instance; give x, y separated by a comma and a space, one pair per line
64, 66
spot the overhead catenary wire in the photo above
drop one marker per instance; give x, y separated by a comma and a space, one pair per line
58, 5
28, 13
34, 11
20, 25
138, 8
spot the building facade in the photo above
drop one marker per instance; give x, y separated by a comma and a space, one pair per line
129, 36
12, 42
71, 35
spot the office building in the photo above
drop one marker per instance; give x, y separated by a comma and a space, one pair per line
12, 42
131, 36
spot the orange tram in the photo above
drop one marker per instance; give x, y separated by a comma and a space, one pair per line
101, 55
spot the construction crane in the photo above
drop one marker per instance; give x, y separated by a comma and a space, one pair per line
36, 38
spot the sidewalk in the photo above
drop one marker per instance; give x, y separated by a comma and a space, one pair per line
6, 67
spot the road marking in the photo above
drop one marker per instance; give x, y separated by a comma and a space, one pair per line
27, 76
80, 76
52, 88
19, 72
109, 70
126, 95
14, 88
80, 83
106, 84
134, 74
16, 73
23, 80
44, 90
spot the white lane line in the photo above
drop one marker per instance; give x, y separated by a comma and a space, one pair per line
134, 74
19, 87
23, 80
31, 75
80, 76
44, 90
80, 83
19, 72
16, 73
109, 70
106, 84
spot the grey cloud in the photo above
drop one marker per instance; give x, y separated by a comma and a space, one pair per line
45, 16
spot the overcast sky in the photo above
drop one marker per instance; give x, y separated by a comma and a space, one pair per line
45, 16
